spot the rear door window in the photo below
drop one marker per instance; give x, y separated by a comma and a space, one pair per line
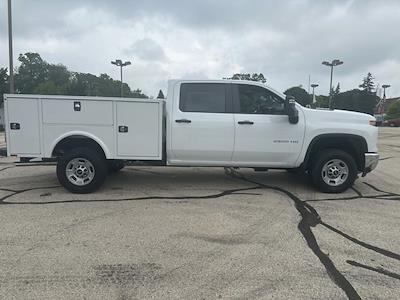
203, 97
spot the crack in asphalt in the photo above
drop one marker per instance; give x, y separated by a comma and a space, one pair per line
378, 269
309, 218
241, 191
17, 192
385, 158
388, 196
361, 243
6, 168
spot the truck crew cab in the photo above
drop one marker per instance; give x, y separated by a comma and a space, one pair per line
223, 123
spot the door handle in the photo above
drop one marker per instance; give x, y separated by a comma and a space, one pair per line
245, 122
123, 129
183, 121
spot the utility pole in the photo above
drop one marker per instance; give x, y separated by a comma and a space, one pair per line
121, 64
10, 49
334, 63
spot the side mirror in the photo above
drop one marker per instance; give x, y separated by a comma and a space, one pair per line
291, 110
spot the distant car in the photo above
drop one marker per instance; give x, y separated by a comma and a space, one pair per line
393, 122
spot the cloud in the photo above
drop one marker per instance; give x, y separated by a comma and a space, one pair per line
286, 40
148, 50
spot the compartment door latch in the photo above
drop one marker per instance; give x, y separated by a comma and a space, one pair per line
77, 106
15, 126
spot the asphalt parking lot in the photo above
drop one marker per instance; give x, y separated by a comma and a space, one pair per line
201, 233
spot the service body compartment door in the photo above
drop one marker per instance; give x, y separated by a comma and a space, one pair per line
77, 112
23, 126
139, 130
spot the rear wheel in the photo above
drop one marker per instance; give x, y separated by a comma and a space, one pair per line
334, 171
81, 170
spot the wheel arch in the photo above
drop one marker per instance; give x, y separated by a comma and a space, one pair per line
355, 145
75, 139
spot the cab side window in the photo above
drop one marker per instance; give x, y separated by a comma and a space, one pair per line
258, 100
203, 97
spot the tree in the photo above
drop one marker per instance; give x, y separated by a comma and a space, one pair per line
322, 101
356, 100
60, 76
336, 91
4, 89
368, 84
80, 84
300, 95
246, 76
138, 93
393, 111
32, 72
35, 75
48, 88
160, 95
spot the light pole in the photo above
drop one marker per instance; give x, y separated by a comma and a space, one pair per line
385, 86
10, 48
334, 63
382, 102
121, 64
314, 85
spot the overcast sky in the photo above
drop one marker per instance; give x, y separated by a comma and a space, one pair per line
285, 40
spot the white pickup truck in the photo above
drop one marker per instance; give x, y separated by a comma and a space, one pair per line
201, 123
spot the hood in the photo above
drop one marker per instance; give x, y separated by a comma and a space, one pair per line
338, 115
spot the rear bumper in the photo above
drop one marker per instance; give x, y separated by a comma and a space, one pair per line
371, 161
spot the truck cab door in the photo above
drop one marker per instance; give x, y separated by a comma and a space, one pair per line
202, 124
263, 134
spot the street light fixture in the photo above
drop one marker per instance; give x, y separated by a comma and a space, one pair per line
334, 63
314, 85
121, 64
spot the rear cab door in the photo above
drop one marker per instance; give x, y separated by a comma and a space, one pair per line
202, 124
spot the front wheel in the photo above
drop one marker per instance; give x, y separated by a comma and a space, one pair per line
81, 170
334, 171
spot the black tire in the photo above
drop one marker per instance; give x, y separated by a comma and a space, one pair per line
98, 167
115, 165
325, 157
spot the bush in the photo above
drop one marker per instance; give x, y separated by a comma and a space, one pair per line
393, 111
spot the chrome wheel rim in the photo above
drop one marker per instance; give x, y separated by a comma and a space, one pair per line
335, 172
80, 171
